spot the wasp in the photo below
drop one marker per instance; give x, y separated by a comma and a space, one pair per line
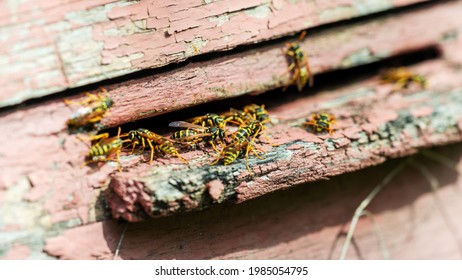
234, 150
403, 77
236, 117
156, 142
249, 130
87, 117
210, 120
107, 147
321, 122
196, 133
231, 152
299, 64
241, 142
257, 112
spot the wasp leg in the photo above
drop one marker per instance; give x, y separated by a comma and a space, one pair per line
247, 149
100, 137
213, 146
254, 151
295, 76
220, 154
96, 119
269, 141
401, 83
152, 150
103, 90
180, 157
118, 160
134, 144
90, 98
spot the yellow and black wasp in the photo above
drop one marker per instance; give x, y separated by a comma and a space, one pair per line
299, 67
403, 77
235, 116
107, 147
155, 141
86, 118
240, 142
210, 120
257, 112
233, 151
321, 122
249, 113
195, 133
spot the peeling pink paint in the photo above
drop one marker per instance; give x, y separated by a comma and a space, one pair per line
215, 188
77, 248
128, 197
125, 37
17, 252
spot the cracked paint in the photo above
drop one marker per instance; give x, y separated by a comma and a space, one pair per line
100, 39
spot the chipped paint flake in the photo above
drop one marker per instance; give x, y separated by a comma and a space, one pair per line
365, 7
341, 11
219, 20
359, 57
93, 15
195, 46
259, 12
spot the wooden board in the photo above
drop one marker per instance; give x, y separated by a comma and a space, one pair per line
306, 222
44, 189
49, 46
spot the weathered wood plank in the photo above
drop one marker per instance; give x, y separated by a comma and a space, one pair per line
265, 68
373, 125
48, 46
45, 190
305, 222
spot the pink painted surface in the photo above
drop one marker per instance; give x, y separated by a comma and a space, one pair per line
305, 222
42, 179
48, 46
44, 189
43, 182
17, 252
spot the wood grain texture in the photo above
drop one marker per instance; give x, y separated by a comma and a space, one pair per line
48, 46
305, 222
261, 69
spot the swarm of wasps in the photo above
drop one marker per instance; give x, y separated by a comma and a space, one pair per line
231, 134
212, 129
